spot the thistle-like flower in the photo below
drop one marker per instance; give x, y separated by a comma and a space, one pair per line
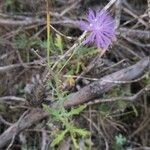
100, 27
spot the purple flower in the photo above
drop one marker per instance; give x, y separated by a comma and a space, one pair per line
100, 26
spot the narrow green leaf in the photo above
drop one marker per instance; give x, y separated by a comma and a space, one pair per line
76, 111
58, 42
81, 132
74, 142
59, 137
135, 110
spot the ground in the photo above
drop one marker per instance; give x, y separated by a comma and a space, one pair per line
57, 93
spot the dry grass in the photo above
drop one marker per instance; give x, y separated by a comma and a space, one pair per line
28, 63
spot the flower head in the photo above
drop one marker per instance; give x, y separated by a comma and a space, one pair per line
100, 26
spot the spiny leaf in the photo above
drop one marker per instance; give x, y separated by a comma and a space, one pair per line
76, 111
81, 132
51, 111
59, 137
74, 141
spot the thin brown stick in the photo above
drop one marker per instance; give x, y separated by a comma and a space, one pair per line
24, 22
148, 4
118, 6
7, 68
15, 99
140, 34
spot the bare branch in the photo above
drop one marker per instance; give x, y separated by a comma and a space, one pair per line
6, 99
140, 34
35, 115
101, 86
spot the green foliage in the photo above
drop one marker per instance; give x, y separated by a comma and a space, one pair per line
85, 51
120, 140
43, 44
58, 43
104, 108
76, 111
64, 117
24, 42
3, 108
118, 104
59, 136
147, 78
120, 91
8, 2
14, 6
77, 60
10, 5
121, 104
135, 111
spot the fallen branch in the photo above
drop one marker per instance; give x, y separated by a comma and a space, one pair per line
7, 68
35, 115
97, 88
24, 22
132, 98
86, 94
6, 99
132, 33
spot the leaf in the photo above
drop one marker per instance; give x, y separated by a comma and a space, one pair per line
76, 111
81, 132
43, 44
122, 104
54, 112
85, 51
104, 109
47, 108
22, 41
120, 139
59, 137
74, 142
78, 66
9, 3
135, 111
58, 42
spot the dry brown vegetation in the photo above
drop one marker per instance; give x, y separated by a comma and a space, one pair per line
114, 86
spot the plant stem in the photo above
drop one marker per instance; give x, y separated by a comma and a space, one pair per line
48, 33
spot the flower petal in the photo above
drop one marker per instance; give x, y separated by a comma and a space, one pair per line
90, 38
84, 25
91, 15
100, 26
